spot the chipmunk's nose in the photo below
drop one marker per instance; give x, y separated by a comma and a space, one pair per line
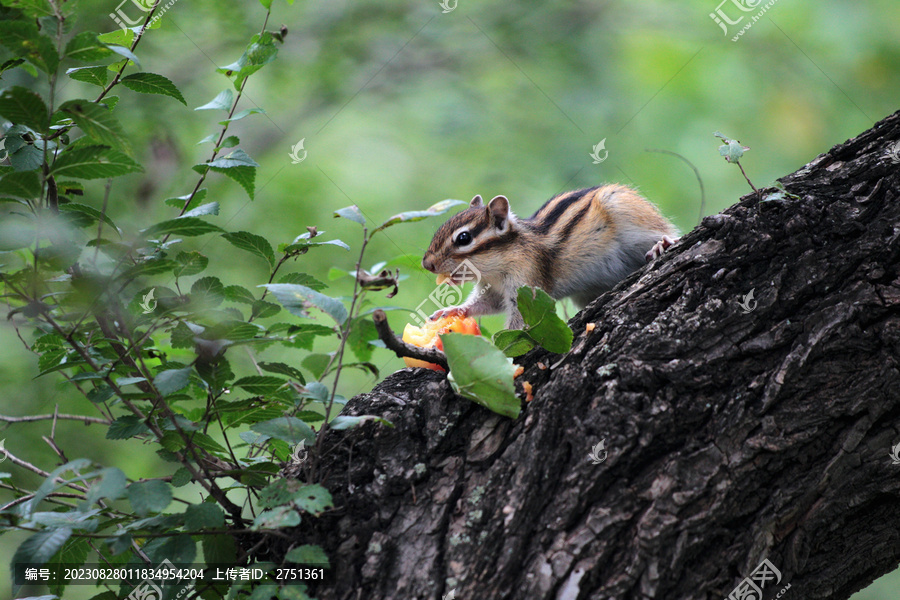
428, 263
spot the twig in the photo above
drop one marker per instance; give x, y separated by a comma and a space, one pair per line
31, 418
401, 348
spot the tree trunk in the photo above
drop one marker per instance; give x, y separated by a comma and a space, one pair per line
732, 436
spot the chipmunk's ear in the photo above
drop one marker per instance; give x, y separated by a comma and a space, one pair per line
501, 215
476, 202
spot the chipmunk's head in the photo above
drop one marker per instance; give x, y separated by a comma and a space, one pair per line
481, 235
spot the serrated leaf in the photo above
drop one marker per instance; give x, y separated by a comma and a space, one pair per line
236, 293
204, 515
289, 429
93, 75
126, 427
260, 384
149, 496
222, 101
111, 486
513, 342
123, 51
303, 279
542, 323
351, 212
152, 83
255, 244
84, 209
187, 226
258, 54
40, 547
24, 107
417, 215
178, 202
20, 184
297, 298
98, 123
244, 113
313, 499
481, 372
211, 208
93, 162
307, 555
181, 477
85, 46
238, 166
192, 263
283, 369
279, 517
171, 381
230, 142
24, 40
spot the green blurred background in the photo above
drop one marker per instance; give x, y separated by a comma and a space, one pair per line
401, 105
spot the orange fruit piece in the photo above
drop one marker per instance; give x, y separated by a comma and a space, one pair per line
428, 336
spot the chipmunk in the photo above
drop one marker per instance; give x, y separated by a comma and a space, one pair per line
578, 244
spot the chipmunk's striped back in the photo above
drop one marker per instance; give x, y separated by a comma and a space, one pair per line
578, 244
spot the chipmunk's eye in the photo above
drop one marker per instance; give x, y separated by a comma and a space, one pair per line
463, 239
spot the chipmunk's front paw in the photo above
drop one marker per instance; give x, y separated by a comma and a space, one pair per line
453, 311
660, 247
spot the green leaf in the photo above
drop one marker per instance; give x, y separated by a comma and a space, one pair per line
290, 429
94, 214
111, 486
179, 201
173, 380
24, 40
255, 244
481, 372
417, 215
314, 499
93, 75
303, 279
278, 518
236, 293
307, 555
222, 101
93, 162
32, 8
41, 547
259, 53
230, 142
85, 46
98, 123
316, 364
238, 166
152, 83
542, 323
362, 332
297, 298
126, 427
149, 496
260, 384
187, 226
20, 184
208, 290
513, 342
211, 208
244, 113
123, 51
191, 263
283, 369
204, 515
24, 107
351, 212
181, 477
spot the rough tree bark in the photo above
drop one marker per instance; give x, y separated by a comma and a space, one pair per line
732, 437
